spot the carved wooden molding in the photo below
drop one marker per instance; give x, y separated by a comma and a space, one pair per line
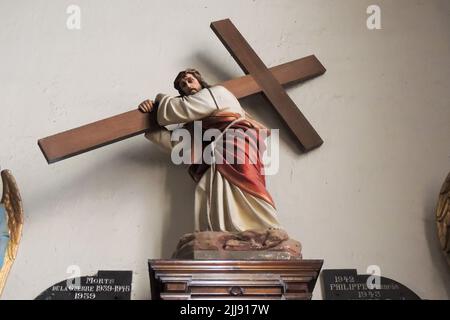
233, 279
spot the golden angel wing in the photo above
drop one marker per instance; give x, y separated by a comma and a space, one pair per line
12, 203
443, 217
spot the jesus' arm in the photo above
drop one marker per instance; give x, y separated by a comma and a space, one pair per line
179, 110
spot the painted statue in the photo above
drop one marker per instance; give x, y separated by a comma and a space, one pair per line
11, 222
230, 195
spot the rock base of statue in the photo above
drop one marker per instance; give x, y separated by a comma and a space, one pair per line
272, 244
247, 265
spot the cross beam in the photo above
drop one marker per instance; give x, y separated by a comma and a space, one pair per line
129, 124
250, 63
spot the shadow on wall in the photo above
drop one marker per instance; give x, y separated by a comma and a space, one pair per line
178, 219
443, 8
436, 254
208, 66
176, 207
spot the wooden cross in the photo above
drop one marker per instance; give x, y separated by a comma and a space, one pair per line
258, 79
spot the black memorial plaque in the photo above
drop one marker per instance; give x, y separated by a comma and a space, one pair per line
106, 285
347, 284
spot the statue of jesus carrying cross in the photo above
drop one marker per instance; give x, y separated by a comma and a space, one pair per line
230, 196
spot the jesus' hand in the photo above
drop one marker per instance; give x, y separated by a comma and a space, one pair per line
147, 106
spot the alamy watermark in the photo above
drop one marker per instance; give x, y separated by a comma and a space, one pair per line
231, 146
73, 21
374, 280
374, 20
73, 282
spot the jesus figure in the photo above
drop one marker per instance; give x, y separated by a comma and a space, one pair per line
230, 196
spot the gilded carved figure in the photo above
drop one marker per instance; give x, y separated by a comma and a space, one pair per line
11, 222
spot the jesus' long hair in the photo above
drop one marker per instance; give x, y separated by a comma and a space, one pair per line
195, 74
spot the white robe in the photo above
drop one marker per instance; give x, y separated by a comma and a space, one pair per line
229, 208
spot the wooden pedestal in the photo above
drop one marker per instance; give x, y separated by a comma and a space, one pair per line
233, 279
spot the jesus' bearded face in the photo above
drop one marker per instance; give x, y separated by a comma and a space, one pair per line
189, 84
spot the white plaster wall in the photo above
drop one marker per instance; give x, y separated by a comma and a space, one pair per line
367, 196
